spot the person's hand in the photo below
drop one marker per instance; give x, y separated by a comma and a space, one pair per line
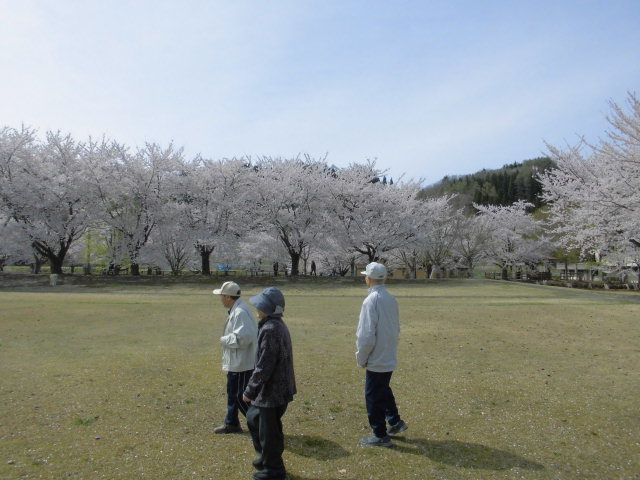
246, 399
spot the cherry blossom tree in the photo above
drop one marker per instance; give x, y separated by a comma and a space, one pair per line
13, 145
471, 243
171, 242
594, 193
441, 227
369, 217
332, 256
290, 198
254, 248
434, 221
132, 190
14, 244
216, 198
42, 188
515, 236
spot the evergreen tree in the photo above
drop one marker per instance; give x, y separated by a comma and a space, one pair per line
504, 186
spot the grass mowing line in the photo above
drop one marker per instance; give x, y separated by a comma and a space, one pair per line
489, 391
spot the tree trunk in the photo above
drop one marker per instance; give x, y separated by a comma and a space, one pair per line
369, 251
305, 260
55, 259
55, 262
205, 259
205, 264
37, 264
436, 272
295, 262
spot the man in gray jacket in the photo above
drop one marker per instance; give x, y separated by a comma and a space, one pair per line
239, 342
376, 350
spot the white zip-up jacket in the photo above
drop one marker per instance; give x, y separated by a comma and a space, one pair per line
239, 339
378, 331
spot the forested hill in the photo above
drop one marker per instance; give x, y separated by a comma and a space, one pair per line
502, 186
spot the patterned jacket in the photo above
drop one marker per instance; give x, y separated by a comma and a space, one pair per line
273, 382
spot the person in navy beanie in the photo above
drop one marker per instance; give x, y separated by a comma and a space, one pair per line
271, 386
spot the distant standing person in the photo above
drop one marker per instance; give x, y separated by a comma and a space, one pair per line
239, 342
313, 268
275, 269
272, 385
376, 350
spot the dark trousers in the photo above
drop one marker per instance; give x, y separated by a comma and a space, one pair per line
265, 425
236, 383
381, 404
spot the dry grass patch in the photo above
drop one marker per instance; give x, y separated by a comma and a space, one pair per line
496, 380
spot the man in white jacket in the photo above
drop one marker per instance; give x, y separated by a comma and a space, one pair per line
376, 350
239, 342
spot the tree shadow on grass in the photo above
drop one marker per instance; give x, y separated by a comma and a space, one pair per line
314, 447
464, 455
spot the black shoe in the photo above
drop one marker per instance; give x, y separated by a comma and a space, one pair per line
397, 428
264, 475
226, 428
374, 441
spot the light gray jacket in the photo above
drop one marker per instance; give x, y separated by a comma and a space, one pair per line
378, 331
239, 339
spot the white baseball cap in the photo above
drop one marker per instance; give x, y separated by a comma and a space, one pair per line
375, 270
228, 288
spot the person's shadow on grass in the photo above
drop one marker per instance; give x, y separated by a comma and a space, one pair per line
315, 447
450, 452
464, 455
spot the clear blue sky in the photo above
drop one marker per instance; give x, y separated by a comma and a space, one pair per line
428, 88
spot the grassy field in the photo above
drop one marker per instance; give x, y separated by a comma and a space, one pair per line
496, 381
